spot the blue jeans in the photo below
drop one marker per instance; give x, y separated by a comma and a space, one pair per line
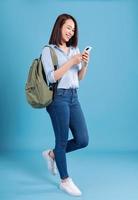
66, 113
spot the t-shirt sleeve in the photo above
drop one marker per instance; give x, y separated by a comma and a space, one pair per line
48, 65
80, 64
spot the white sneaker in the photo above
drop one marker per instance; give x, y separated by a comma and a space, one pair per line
69, 187
50, 162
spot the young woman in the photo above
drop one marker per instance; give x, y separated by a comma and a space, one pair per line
65, 110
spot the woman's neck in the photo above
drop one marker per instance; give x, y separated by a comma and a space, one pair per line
63, 45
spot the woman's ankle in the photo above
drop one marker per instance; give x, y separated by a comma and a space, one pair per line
51, 154
64, 180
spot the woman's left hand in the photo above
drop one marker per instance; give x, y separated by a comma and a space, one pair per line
85, 57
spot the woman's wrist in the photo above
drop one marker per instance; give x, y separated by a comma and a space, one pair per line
71, 62
84, 64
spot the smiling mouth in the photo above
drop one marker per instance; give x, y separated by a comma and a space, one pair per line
68, 36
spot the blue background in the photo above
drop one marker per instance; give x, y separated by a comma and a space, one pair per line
108, 93
108, 168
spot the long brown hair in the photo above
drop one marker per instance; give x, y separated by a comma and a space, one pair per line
55, 37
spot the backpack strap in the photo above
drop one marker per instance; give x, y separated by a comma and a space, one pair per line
53, 86
53, 56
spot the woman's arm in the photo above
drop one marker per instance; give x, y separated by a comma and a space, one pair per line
54, 75
65, 67
85, 60
82, 72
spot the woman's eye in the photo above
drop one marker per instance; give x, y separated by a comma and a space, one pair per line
68, 28
71, 29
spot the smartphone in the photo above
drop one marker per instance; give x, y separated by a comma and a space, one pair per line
88, 48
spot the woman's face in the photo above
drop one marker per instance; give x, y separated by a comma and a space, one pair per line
67, 30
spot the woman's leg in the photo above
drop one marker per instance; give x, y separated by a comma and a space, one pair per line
78, 128
60, 114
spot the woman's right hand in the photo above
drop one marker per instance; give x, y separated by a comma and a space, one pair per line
76, 59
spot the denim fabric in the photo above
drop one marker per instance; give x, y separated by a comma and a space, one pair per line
65, 112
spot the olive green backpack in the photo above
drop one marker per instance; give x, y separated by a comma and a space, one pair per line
39, 93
